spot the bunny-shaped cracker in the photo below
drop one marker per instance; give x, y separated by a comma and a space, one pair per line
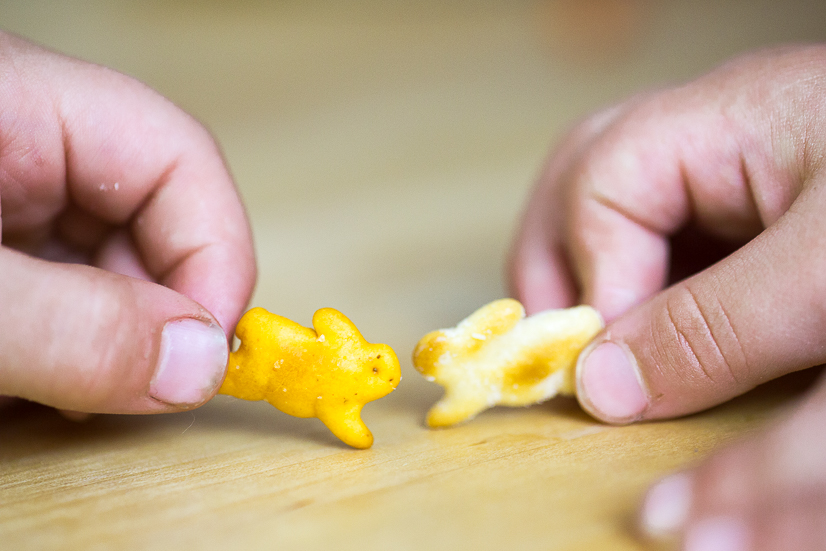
329, 373
498, 356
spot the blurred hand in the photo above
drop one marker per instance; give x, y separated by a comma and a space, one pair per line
126, 254
657, 187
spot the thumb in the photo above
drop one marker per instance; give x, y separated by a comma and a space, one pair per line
756, 315
87, 340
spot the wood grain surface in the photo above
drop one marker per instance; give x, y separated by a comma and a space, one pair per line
384, 150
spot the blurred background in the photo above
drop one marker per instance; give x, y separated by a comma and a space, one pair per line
387, 146
384, 149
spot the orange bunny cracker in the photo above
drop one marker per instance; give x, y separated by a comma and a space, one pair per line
498, 356
329, 373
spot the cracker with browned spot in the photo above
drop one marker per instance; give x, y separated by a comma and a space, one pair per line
497, 356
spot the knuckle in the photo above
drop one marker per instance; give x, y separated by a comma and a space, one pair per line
700, 343
201, 135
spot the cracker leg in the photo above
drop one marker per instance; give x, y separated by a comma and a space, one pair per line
455, 408
345, 422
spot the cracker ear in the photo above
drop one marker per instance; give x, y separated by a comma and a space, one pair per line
259, 328
489, 321
252, 321
332, 324
494, 319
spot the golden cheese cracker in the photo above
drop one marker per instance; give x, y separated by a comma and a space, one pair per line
329, 372
497, 356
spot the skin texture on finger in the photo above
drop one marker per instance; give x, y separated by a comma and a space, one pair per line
83, 339
539, 270
728, 153
620, 262
754, 316
78, 137
665, 163
540, 275
119, 255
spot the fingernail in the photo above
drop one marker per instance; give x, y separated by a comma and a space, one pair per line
191, 362
666, 506
717, 534
609, 384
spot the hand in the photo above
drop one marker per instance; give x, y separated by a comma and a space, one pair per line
100, 171
736, 156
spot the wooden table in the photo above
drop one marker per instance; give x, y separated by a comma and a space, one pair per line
385, 150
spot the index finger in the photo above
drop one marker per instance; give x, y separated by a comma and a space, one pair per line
130, 157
